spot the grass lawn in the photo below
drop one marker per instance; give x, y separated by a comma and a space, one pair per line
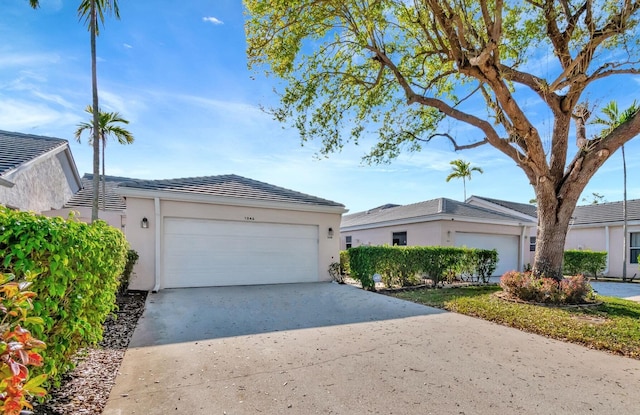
612, 326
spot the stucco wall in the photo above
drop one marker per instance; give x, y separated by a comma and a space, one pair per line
39, 186
595, 239
117, 219
144, 240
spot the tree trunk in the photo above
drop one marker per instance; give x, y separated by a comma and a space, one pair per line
624, 217
553, 224
96, 117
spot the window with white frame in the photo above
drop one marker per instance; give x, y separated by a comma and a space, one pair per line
348, 242
634, 247
532, 243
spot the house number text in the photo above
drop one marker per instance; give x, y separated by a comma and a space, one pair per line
249, 218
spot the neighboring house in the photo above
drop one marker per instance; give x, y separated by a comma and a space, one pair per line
228, 230
442, 222
114, 212
36, 173
595, 227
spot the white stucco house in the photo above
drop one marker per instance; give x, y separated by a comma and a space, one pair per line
443, 222
228, 230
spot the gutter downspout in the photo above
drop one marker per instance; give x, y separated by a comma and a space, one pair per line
521, 250
156, 273
606, 248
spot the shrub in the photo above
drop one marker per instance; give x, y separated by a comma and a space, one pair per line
18, 348
405, 265
527, 287
75, 270
587, 262
345, 269
125, 277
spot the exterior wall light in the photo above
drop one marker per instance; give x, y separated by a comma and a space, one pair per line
330, 233
144, 223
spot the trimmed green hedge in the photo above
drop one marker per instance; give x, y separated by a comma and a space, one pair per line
405, 265
590, 263
75, 269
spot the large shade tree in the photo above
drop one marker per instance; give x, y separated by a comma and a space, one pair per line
109, 124
92, 11
404, 66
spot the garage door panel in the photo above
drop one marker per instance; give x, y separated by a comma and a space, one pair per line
210, 253
506, 245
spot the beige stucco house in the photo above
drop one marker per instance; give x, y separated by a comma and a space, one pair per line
443, 222
597, 227
227, 230
36, 173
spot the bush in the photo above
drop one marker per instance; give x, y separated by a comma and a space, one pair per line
345, 269
75, 269
125, 277
587, 262
527, 287
406, 265
18, 348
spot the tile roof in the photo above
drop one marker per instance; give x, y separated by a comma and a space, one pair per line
434, 207
606, 212
229, 186
17, 149
83, 197
527, 209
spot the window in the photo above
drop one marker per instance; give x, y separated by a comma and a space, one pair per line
634, 247
532, 244
348, 241
399, 239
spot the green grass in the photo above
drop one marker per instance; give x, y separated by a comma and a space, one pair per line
613, 326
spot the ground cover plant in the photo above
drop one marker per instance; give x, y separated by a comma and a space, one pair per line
613, 325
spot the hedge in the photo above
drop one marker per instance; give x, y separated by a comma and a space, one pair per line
405, 265
591, 263
74, 268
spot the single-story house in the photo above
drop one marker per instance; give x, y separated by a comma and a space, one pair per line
111, 207
443, 222
36, 173
597, 227
227, 230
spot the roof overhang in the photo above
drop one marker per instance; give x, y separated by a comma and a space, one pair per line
6, 183
434, 218
227, 201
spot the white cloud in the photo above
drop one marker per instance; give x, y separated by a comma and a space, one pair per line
127, 46
213, 20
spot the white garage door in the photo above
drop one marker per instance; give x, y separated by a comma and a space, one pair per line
200, 253
506, 245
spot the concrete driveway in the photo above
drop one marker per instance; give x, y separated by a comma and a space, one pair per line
629, 291
335, 349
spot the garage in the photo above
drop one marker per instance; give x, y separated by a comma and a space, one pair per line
200, 253
228, 230
506, 245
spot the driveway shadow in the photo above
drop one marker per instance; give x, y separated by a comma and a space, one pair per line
191, 314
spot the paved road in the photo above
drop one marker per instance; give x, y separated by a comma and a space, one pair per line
330, 349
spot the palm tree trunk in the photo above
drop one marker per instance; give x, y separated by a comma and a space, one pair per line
624, 216
464, 188
96, 122
104, 180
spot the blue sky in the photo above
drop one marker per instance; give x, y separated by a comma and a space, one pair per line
179, 75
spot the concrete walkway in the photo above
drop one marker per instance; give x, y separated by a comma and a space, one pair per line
629, 291
330, 349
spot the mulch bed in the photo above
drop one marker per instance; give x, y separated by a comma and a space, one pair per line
85, 390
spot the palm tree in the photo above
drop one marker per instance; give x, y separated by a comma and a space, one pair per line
107, 127
462, 170
613, 118
91, 10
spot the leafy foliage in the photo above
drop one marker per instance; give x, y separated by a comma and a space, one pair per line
586, 262
74, 269
410, 72
345, 268
528, 287
18, 348
125, 277
405, 265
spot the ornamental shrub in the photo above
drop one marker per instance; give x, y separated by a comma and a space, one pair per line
527, 287
344, 263
585, 262
125, 277
407, 265
74, 268
18, 348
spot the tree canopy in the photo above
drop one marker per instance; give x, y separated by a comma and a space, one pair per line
401, 67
